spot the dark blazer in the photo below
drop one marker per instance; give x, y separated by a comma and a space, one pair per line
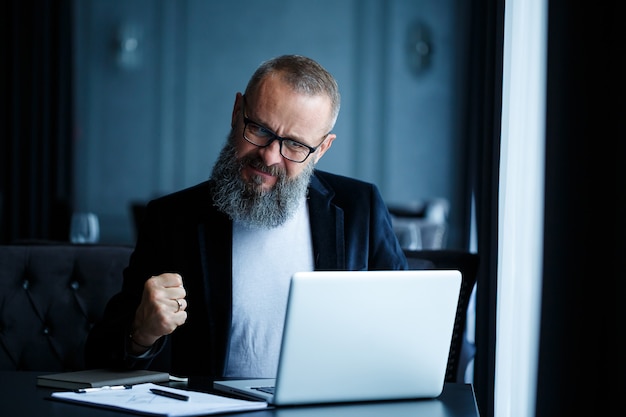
183, 232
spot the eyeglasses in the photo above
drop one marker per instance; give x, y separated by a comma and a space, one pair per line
262, 137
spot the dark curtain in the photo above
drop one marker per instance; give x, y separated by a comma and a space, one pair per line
582, 365
36, 120
483, 110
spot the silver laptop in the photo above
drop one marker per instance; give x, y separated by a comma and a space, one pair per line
361, 336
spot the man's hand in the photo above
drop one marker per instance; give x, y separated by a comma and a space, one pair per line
161, 311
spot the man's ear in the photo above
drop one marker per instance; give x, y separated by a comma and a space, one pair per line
236, 109
328, 142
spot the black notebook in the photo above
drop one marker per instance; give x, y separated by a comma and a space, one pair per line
95, 378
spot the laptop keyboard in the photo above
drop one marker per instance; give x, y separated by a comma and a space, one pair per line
267, 390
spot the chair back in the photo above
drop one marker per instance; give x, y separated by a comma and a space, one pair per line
50, 297
461, 351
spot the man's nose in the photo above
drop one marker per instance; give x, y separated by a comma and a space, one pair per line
271, 153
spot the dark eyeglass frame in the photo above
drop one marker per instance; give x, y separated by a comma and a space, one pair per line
273, 136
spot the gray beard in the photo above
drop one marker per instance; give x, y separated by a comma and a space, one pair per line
247, 202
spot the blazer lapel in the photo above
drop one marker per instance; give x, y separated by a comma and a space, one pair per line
326, 227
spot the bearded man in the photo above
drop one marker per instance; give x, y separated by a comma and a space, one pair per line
206, 288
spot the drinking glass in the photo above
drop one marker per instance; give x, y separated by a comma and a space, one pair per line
84, 228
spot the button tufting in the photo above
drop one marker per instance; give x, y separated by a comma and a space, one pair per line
41, 306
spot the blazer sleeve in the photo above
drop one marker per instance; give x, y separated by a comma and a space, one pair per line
108, 341
385, 249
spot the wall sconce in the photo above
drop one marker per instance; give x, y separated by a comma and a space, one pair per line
127, 46
419, 47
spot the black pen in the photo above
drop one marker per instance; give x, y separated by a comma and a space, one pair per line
169, 394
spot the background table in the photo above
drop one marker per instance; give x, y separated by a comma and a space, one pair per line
20, 397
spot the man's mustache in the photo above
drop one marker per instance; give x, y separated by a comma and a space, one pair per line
258, 164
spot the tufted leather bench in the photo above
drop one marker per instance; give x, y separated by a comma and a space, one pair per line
50, 297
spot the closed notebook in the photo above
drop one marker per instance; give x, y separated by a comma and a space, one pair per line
94, 378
